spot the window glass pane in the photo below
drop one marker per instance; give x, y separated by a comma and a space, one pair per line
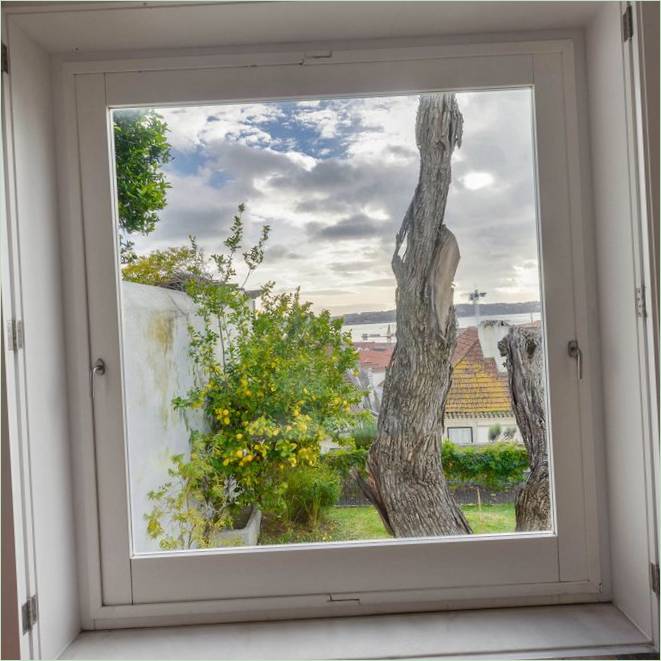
460, 435
305, 284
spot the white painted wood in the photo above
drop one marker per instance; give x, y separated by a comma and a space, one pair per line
100, 247
510, 633
624, 426
647, 330
296, 81
263, 572
14, 426
210, 24
102, 34
10, 637
43, 434
341, 568
559, 273
81, 424
342, 605
587, 317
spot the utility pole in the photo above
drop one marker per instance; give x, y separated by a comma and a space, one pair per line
475, 297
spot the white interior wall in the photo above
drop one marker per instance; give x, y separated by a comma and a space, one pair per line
45, 341
623, 417
48, 437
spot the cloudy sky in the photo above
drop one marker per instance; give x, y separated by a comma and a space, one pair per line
333, 178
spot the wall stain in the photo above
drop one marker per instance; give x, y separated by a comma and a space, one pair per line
161, 335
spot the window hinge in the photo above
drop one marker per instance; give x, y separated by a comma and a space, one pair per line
14, 335
627, 23
30, 613
5, 59
641, 306
654, 578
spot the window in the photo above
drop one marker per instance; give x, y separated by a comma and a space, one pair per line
211, 389
461, 435
460, 565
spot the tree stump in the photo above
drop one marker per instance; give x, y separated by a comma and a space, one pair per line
523, 350
405, 480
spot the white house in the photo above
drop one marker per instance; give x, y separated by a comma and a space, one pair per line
479, 398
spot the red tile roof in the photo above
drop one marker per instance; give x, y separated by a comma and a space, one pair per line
376, 355
478, 388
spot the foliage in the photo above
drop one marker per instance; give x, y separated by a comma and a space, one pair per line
309, 491
364, 433
270, 380
495, 466
194, 502
141, 151
354, 447
509, 433
494, 432
164, 266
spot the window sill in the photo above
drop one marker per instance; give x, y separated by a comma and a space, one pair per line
532, 632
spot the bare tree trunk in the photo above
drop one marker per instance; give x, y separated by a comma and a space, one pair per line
405, 478
524, 353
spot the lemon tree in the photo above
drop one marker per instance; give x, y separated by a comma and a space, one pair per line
271, 380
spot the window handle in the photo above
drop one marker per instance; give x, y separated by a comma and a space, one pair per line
575, 352
98, 369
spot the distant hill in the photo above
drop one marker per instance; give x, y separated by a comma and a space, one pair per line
463, 310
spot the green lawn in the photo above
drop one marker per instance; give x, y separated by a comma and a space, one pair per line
343, 524
491, 518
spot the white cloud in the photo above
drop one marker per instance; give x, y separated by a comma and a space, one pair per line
336, 200
477, 180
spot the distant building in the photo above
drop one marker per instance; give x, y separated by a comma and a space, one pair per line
479, 398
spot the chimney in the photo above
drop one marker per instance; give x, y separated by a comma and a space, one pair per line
490, 333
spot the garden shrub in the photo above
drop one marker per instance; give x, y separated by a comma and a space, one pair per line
364, 433
352, 453
270, 380
494, 466
310, 490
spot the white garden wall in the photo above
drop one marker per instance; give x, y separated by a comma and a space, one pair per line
156, 369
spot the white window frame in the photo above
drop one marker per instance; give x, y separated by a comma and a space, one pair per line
492, 570
472, 440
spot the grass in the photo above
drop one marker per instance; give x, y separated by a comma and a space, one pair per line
356, 523
343, 524
491, 519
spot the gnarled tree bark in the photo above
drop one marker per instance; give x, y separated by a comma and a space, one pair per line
405, 480
524, 352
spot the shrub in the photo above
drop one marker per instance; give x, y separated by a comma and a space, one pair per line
309, 491
364, 433
496, 466
270, 380
353, 450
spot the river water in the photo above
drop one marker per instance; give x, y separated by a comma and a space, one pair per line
379, 332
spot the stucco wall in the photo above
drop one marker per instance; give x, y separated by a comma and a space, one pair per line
156, 369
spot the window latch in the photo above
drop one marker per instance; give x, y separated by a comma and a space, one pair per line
575, 352
99, 368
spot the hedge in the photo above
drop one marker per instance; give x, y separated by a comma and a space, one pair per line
494, 466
